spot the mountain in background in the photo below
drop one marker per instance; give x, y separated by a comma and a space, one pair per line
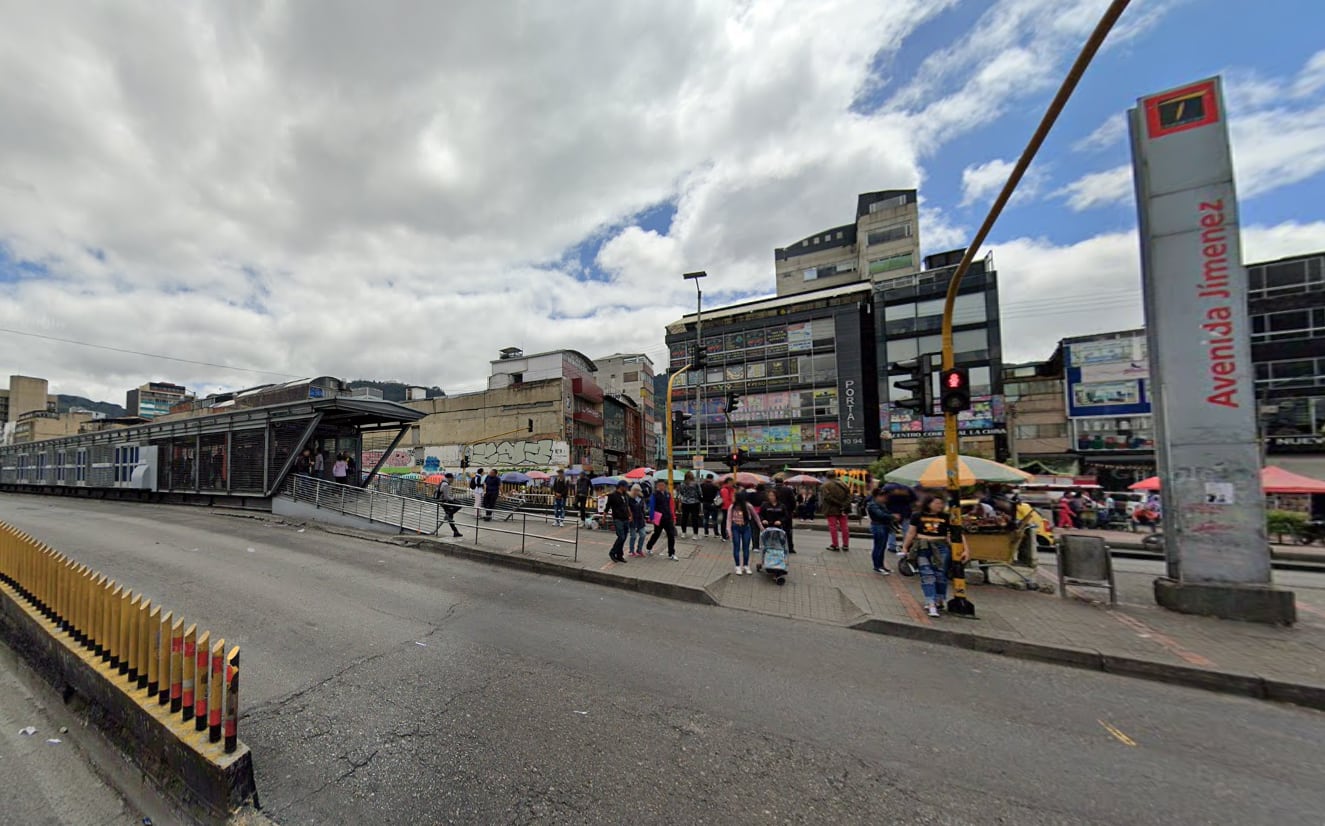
63, 403
394, 391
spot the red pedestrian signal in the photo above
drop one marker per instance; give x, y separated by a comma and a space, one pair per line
956, 395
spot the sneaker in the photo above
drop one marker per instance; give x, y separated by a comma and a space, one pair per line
748, 572
739, 571
672, 557
832, 548
931, 609
883, 571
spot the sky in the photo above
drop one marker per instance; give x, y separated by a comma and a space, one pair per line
228, 194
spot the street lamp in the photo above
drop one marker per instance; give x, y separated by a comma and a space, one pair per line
699, 360
699, 389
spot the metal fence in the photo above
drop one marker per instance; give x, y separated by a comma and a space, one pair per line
420, 513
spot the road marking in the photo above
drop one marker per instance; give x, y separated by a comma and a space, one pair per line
1118, 735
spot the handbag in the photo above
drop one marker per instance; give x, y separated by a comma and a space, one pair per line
657, 518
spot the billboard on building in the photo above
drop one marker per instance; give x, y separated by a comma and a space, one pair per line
987, 417
1107, 376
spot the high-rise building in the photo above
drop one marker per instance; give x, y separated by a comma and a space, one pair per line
883, 242
154, 399
908, 313
631, 375
25, 394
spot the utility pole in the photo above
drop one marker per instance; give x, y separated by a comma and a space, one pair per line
700, 361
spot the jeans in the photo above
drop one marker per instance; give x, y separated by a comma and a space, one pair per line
690, 517
559, 510
712, 517
583, 503
882, 533
489, 502
637, 538
933, 560
894, 542
622, 528
741, 535
836, 523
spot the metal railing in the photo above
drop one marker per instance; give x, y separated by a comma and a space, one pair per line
427, 515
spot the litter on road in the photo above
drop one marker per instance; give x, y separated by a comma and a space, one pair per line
28, 732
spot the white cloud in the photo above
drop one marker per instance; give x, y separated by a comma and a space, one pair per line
1276, 131
981, 180
386, 190
1113, 130
1050, 292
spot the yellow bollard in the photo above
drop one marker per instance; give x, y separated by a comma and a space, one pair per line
163, 663
144, 657
102, 596
131, 643
176, 665
200, 682
125, 632
231, 724
113, 624
216, 692
189, 664
154, 652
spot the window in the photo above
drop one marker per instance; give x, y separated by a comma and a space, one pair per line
889, 234
517, 378
630, 377
888, 203
892, 262
969, 341
1288, 326
59, 465
1041, 431
80, 465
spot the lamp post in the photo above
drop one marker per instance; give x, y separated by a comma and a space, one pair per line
699, 360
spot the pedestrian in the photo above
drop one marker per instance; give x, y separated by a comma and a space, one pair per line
772, 513
320, 464
638, 519
900, 500
443, 495
582, 490
1064, 510
837, 499
787, 499
339, 469
351, 474
742, 522
710, 505
617, 509
303, 465
688, 496
882, 523
1077, 508
728, 497
560, 490
662, 514
930, 534
491, 490
754, 497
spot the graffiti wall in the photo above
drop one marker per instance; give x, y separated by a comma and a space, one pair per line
400, 457
519, 453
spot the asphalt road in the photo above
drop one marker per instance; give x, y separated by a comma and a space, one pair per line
390, 685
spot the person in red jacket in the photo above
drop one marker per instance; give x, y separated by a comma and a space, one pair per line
728, 494
1065, 513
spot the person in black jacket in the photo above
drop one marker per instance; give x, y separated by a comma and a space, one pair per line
708, 500
583, 488
560, 492
618, 508
491, 490
787, 499
661, 513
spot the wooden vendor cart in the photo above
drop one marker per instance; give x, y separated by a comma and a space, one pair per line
999, 541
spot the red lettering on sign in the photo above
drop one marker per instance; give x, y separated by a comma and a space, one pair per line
1221, 355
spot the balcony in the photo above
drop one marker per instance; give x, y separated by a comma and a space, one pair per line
589, 417
586, 389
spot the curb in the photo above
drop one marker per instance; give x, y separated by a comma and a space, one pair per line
1222, 682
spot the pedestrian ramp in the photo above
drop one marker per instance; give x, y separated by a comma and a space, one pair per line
318, 500
800, 599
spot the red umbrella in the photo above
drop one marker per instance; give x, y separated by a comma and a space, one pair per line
1273, 480
435, 479
538, 475
639, 473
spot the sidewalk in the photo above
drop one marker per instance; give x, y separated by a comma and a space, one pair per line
1137, 637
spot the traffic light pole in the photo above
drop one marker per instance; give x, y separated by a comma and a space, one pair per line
1069, 85
671, 472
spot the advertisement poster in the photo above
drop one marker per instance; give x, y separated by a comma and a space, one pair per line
776, 337
986, 417
778, 405
713, 345
1106, 395
736, 341
754, 338
756, 370
1115, 371
825, 436
777, 368
736, 372
1096, 352
799, 337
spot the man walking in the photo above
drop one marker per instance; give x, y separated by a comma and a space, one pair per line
787, 499
708, 500
560, 490
491, 490
618, 510
900, 501
582, 490
837, 500
443, 495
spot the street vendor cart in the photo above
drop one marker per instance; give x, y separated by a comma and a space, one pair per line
1000, 540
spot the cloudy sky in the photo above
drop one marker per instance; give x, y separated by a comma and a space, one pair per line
396, 190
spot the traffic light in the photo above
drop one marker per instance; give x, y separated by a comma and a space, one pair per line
681, 428
733, 402
955, 390
736, 458
701, 359
917, 383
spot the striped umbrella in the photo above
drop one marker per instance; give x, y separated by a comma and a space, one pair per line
933, 473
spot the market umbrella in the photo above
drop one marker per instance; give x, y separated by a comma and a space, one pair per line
435, 479
803, 479
680, 473
538, 475
933, 473
639, 473
1273, 480
604, 480
573, 471
746, 479
515, 477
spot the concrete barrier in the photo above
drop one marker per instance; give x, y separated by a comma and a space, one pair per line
93, 640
